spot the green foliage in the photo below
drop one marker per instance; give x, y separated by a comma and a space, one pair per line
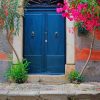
82, 30
26, 2
91, 4
9, 14
75, 76
18, 72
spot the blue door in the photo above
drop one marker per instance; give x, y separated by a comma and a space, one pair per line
44, 41
56, 43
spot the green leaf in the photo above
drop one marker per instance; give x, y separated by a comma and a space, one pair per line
18, 72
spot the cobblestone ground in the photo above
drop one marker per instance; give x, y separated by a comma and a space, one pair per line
37, 91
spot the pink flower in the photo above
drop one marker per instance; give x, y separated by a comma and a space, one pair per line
75, 13
81, 6
65, 14
59, 10
80, 14
70, 18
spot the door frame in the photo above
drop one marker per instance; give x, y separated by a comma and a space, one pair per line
70, 50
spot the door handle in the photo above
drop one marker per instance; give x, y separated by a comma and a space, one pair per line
56, 34
46, 37
33, 34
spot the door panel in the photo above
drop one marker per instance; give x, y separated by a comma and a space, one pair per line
33, 26
44, 42
56, 43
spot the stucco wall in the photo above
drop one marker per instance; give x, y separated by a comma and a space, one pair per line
5, 53
92, 72
4, 46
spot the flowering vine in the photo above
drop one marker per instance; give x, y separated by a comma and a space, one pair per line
86, 12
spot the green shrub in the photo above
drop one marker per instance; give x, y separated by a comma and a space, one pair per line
18, 72
75, 76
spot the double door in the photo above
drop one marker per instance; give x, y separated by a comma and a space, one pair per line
44, 41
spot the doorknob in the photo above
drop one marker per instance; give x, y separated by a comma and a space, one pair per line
56, 34
46, 37
33, 34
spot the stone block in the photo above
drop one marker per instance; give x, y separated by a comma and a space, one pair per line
4, 89
26, 89
3, 97
47, 79
87, 97
23, 98
54, 97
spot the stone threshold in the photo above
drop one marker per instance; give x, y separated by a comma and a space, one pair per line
48, 79
38, 91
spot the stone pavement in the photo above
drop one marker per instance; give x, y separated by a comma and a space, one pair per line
38, 91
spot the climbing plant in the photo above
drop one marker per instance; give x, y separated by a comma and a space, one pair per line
84, 12
10, 21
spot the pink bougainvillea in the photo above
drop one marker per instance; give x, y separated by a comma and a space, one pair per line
88, 15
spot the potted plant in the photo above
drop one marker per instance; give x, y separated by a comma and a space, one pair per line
86, 12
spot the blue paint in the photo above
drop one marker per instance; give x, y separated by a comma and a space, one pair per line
44, 41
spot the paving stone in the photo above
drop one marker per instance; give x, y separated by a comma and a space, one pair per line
27, 89
54, 97
4, 89
51, 89
3, 97
74, 89
30, 91
87, 97
23, 98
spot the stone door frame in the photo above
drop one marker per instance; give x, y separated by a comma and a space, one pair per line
70, 44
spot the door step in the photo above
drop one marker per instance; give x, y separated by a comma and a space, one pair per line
47, 79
